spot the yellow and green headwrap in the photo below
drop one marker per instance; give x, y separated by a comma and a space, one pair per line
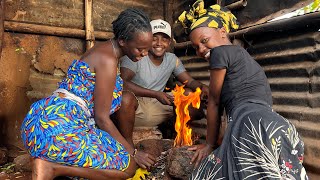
214, 16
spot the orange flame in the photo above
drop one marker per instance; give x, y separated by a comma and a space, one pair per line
182, 103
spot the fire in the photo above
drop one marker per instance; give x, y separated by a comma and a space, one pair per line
182, 103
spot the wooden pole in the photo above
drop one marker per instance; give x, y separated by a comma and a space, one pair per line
1, 25
237, 5
20, 27
182, 45
88, 24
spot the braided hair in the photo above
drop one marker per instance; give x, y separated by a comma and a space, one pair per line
129, 22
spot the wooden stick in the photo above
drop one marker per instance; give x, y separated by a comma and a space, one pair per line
88, 24
237, 5
182, 45
20, 27
1, 25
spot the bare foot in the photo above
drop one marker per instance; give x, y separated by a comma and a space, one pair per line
45, 170
42, 170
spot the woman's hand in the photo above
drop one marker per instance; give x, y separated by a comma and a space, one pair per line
202, 151
144, 160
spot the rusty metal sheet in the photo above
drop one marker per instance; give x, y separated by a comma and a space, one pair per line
255, 12
260, 11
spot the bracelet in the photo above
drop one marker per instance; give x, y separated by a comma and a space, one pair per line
134, 153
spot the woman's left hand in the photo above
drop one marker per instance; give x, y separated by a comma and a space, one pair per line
202, 151
144, 160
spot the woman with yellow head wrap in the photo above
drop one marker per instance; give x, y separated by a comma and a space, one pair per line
258, 143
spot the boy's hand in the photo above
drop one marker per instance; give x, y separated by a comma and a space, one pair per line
204, 92
164, 98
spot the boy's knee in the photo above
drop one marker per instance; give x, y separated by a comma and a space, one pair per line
129, 99
196, 114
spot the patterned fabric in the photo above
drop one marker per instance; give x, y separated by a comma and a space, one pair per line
56, 129
258, 144
80, 81
214, 17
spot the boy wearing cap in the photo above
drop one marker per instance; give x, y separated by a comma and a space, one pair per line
147, 79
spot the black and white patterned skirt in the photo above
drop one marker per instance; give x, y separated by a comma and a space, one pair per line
258, 144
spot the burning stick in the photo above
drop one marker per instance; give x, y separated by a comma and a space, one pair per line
182, 103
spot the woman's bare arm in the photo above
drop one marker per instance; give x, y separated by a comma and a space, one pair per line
106, 71
213, 116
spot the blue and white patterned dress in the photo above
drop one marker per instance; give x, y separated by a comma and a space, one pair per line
56, 129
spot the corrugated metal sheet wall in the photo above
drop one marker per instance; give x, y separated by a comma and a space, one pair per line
292, 65
291, 61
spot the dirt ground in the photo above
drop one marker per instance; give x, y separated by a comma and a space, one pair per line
17, 175
22, 176
27, 176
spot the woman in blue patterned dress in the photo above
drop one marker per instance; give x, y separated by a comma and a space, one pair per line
59, 130
258, 143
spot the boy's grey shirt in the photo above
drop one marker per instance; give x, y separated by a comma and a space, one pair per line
150, 76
